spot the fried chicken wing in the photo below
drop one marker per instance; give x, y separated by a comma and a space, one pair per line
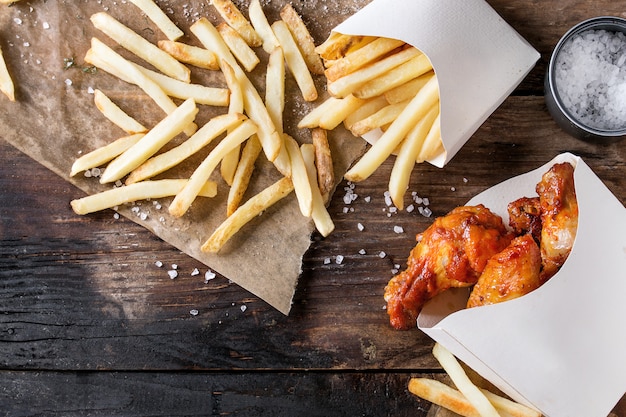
559, 216
452, 252
509, 274
525, 216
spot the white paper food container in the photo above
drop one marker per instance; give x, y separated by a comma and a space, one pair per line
562, 348
479, 59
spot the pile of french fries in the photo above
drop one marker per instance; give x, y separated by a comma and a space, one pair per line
252, 125
381, 84
468, 399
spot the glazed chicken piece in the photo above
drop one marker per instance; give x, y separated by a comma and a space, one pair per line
525, 216
452, 252
509, 274
559, 217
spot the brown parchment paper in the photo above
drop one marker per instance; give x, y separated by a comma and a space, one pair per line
54, 121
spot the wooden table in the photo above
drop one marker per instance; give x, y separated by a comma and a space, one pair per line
91, 326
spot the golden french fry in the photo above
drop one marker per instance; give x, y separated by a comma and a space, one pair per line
385, 115
254, 106
105, 58
235, 19
312, 118
242, 176
159, 18
295, 61
473, 394
351, 82
111, 111
338, 45
138, 45
323, 163
404, 72
262, 26
205, 135
189, 54
338, 113
299, 177
238, 46
407, 156
392, 137
6, 82
188, 194
361, 57
366, 109
135, 192
159, 135
202, 94
303, 39
246, 212
104, 154
432, 144
408, 90
230, 161
275, 87
323, 222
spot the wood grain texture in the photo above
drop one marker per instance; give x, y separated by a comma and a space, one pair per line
90, 326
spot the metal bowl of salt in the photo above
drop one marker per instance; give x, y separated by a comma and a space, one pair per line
585, 84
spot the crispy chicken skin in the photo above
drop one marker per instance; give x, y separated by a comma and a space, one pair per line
559, 217
509, 274
525, 216
452, 252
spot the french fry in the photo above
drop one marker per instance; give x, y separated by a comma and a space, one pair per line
6, 82
205, 135
323, 163
111, 111
392, 137
139, 46
104, 154
295, 61
432, 144
275, 87
323, 222
230, 161
299, 177
312, 118
338, 113
159, 135
473, 394
361, 57
188, 194
262, 26
303, 39
254, 106
338, 45
404, 72
366, 109
407, 156
385, 115
159, 18
408, 89
105, 58
238, 46
352, 81
235, 19
246, 212
189, 54
241, 179
135, 192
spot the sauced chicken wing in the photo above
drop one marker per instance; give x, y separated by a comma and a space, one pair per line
509, 274
525, 216
452, 252
559, 217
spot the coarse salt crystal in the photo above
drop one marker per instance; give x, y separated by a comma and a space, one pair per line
398, 229
362, 252
360, 227
159, 264
172, 273
193, 312
209, 275
382, 254
339, 259
195, 272
45, 25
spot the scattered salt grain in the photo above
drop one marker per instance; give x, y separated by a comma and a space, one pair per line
208, 276
590, 78
68, 82
326, 261
368, 199
174, 266
116, 216
17, 21
339, 259
362, 252
410, 208
195, 272
398, 229
45, 25
172, 273
382, 255
360, 227
193, 312
158, 264
243, 308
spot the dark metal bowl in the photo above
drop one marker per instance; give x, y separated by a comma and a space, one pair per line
563, 117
